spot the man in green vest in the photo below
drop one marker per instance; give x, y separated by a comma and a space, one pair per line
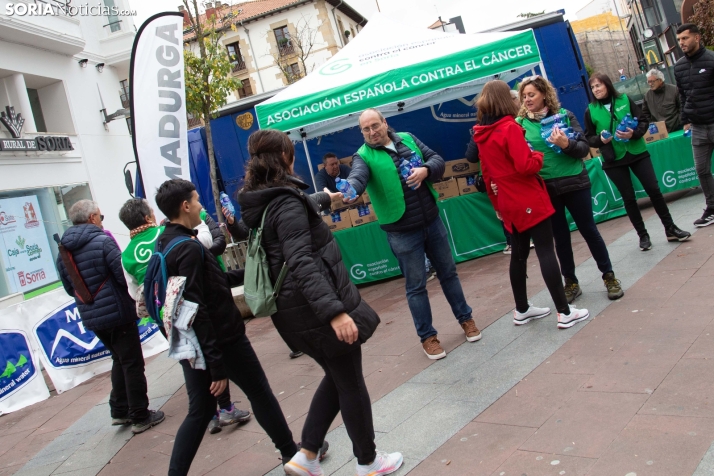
407, 211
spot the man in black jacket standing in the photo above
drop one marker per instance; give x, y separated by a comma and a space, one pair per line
407, 211
694, 73
110, 313
220, 332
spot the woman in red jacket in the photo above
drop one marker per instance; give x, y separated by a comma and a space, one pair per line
522, 201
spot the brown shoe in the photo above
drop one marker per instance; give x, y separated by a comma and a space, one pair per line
471, 331
433, 349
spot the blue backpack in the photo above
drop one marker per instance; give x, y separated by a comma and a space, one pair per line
157, 277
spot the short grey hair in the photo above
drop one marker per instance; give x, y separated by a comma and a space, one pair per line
656, 73
82, 210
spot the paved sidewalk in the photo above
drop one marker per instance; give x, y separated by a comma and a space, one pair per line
513, 403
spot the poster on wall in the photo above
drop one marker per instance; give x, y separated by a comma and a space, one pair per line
24, 245
70, 353
21, 382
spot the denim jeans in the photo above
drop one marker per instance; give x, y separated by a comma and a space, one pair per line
409, 248
703, 147
579, 204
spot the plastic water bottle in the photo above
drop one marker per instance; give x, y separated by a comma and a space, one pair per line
415, 160
335, 217
366, 210
348, 191
628, 122
470, 180
605, 134
226, 203
688, 133
653, 129
405, 169
360, 210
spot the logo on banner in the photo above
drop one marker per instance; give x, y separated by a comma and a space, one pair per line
357, 272
6, 219
32, 277
31, 220
669, 179
336, 67
15, 362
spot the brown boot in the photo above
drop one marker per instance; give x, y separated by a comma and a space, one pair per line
471, 331
433, 349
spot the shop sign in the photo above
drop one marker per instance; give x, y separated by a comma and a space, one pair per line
14, 122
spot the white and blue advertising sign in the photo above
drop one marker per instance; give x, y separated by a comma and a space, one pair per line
21, 383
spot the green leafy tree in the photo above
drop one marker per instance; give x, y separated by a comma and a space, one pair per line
209, 79
704, 19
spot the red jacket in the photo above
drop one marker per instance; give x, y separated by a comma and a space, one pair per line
507, 161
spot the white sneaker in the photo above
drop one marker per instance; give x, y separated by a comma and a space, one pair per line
575, 316
384, 463
507, 250
532, 313
300, 465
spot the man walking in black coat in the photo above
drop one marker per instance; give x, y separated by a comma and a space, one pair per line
694, 73
109, 312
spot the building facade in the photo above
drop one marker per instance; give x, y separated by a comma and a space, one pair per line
60, 74
653, 29
605, 44
274, 43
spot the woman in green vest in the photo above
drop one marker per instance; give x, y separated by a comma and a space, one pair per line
567, 182
620, 157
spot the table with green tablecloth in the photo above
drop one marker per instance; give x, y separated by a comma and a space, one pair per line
474, 230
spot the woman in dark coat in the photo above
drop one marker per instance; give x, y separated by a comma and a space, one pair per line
320, 311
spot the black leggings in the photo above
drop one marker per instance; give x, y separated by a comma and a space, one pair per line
342, 389
644, 171
542, 235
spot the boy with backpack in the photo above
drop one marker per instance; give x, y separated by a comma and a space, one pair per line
219, 329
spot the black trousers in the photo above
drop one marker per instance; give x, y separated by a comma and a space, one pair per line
128, 397
342, 389
244, 369
644, 171
542, 235
580, 205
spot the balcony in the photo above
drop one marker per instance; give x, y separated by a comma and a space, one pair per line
286, 49
239, 66
124, 97
58, 32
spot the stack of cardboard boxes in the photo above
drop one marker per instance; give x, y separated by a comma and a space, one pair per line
346, 215
459, 178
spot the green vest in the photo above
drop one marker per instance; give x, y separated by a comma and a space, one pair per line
385, 186
555, 165
601, 119
135, 258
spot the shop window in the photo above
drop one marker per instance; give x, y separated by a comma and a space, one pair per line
29, 219
114, 21
37, 110
293, 73
245, 90
235, 57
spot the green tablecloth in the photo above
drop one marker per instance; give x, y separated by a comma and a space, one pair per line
475, 231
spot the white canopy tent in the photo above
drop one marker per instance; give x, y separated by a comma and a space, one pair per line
395, 68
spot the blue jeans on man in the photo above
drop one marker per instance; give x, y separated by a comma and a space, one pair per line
409, 248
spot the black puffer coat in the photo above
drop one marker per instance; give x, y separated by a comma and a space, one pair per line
695, 80
421, 209
98, 260
317, 287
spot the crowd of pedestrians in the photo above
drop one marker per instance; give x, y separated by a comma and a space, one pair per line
531, 182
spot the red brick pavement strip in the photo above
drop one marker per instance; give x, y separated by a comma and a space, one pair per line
632, 393
391, 357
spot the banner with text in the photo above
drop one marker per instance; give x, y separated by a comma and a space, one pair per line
158, 103
21, 382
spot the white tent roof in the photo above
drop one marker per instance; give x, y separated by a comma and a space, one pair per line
396, 68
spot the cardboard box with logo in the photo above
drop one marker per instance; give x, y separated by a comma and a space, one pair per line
455, 168
447, 188
466, 185
339, 204
656, 131
343, 222
367, 217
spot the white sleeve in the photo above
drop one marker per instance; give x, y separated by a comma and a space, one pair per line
204, 235
131, 283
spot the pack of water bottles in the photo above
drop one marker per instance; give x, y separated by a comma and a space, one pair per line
406, 166
556, 121
628, 122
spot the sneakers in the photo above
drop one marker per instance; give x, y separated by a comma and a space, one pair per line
296, 354
572, 290
232, 416
645, 243
507, 250
614, 287
706, 219
155, 417
432, 348
320, 454
120, 421
675, 234
214, 426
300, 465
383, 464
431, 276
532, 313
569, 320
471, 331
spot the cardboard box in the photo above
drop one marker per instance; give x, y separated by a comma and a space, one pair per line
461, 167
466, 185
365, 197
345, 221
657, 131
344, 161
447, 188
361, 220
339, 204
